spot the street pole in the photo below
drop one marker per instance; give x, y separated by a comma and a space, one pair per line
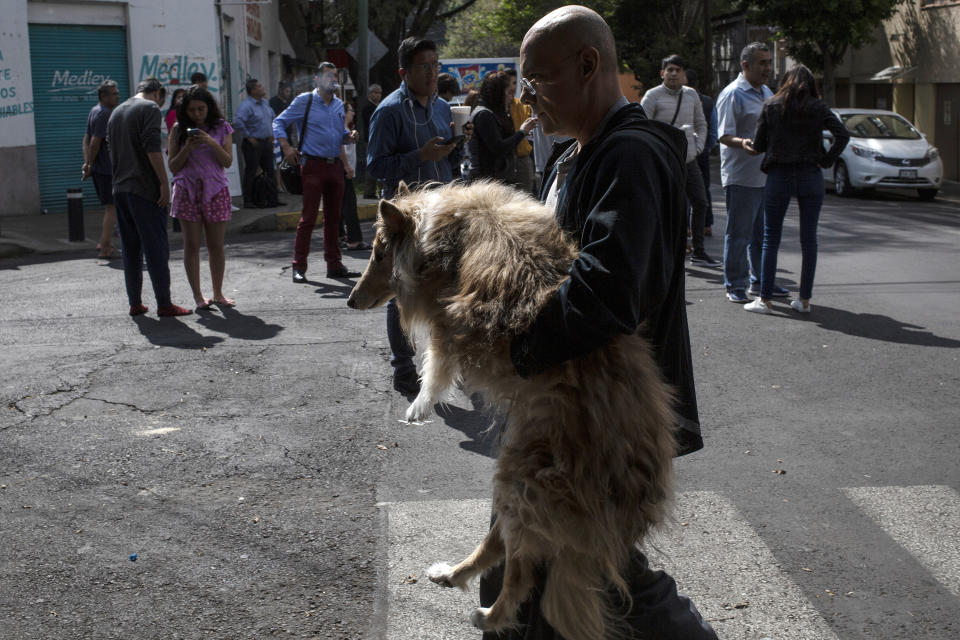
707, 82
363, 49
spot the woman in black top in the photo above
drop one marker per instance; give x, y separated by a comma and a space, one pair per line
790, 132
493, 147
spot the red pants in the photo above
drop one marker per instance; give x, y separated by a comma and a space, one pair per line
320, 180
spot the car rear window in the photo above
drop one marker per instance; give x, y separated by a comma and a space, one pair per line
879, 125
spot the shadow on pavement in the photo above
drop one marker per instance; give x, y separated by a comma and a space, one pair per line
477, 424
327, 290
238, 325
171, 332
877, 327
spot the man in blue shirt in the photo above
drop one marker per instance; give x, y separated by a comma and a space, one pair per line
738, 107
323, 133
251, 124
407, 134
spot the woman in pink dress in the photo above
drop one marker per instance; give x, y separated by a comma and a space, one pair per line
200, 148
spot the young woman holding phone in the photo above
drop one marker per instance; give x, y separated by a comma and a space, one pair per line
200, 149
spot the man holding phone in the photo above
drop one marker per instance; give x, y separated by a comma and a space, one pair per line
411, 139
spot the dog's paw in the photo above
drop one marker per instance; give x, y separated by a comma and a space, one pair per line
418, 409
442, 574
479, 618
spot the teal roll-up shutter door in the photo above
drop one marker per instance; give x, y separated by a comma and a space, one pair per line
69, 62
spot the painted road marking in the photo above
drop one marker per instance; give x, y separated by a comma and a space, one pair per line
924, 520
718, 560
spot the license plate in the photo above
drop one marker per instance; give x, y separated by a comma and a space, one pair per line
908, 173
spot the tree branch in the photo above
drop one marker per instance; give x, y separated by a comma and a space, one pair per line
453, 12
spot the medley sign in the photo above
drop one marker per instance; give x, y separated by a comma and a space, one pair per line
176, 69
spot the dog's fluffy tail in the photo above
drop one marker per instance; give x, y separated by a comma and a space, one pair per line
576, 598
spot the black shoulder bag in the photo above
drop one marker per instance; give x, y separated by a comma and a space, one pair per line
677, 112
290, 173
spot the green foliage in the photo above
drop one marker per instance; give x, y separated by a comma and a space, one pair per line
475, 34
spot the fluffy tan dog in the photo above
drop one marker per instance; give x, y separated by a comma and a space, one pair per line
584, 471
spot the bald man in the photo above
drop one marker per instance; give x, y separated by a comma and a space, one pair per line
618, 189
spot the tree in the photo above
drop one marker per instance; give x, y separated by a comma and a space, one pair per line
819, 34
471, 34
645, 33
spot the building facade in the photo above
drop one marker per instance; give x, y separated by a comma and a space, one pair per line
54, 54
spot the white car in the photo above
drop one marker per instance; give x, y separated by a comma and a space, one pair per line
885, 151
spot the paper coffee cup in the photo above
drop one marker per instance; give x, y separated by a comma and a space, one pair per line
461, 116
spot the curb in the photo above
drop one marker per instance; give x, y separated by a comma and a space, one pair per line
288, 220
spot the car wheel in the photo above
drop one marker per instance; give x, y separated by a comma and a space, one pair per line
841, 180
927, 194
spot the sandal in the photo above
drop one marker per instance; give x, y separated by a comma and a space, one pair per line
224, 302
113, 255
360, 246
205, 305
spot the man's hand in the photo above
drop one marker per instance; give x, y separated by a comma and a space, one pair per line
164, 200
290, 154
747, 145
529, 124
350, 172
253, 141
85, 171
351, 138
435, 150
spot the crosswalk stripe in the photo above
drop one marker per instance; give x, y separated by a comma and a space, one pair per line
717, 559
420, 534
731, 575
924, 520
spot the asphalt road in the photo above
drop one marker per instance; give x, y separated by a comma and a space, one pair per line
253, 460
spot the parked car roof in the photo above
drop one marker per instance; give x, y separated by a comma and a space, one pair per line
857, 111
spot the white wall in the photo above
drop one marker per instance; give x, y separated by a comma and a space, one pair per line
16, 83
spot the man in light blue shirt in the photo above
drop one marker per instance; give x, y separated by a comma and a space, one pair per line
738, 108
251, 124
407, 134
323, 132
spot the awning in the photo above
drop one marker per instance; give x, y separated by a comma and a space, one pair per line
893, 73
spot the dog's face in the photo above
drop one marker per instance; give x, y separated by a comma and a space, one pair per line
380, 282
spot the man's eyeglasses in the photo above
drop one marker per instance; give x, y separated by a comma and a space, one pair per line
426, 67
528, 86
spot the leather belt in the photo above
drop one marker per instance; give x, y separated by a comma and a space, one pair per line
320, 158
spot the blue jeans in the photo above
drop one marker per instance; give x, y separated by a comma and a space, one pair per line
143, 232
400, 347
742, 238
805, 182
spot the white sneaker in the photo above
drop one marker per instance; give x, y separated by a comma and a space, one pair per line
757, 306
797, 306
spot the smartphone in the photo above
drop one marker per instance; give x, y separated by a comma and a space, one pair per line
457, 140
193, 132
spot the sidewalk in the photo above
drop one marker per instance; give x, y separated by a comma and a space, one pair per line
46, 234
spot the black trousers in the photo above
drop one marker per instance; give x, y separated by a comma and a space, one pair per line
698, 203
349, 218
703, 161
258, 156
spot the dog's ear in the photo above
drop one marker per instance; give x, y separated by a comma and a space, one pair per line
403, 189
394, 219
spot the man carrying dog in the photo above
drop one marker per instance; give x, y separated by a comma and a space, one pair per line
408, 131
618, 189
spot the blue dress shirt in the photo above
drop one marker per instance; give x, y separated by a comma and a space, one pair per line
325, 130
398, 129
253, 118
738, 107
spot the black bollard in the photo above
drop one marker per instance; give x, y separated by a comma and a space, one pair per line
75, 214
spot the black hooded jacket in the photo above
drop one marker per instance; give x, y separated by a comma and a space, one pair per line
625, 206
